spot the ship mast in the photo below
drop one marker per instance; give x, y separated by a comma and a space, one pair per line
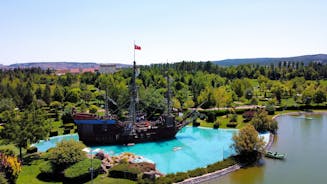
134, 93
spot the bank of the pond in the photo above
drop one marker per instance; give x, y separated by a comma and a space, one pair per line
300, 135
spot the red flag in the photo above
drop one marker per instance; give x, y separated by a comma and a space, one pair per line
136, 47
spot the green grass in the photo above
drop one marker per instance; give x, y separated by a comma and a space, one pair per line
29, 174
223, 122
104, 179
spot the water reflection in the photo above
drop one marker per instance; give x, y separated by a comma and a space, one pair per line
303, 141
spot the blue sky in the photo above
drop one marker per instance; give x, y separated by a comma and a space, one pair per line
103, 31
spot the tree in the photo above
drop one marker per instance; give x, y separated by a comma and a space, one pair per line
58, 94
67, 153
25, 127
262, 123
319, 96
248, 144
46, 95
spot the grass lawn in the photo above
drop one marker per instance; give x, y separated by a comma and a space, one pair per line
104, 179
29, 175
223, 122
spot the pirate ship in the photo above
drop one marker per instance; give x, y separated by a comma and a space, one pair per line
109, 129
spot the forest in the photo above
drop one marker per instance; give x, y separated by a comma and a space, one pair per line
36, 104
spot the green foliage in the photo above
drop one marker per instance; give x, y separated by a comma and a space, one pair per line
6, 104
124, 170
31, 149
197, 172
248, 144
3, 179
81, 169
31, 125
221, 165
93, 109
47, 168
67, 153
262, 122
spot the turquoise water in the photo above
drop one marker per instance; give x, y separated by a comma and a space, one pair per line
197, 147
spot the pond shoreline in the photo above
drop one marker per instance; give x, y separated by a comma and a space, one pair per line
222, 172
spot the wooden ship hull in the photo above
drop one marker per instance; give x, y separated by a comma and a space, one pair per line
111, 131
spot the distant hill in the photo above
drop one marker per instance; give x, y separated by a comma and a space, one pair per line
58, 65
266, 61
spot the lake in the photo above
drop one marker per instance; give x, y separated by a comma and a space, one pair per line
303, 139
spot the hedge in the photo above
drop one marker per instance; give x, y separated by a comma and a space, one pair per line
47, 168
124, 171
31, 149
180, 176
81, 170
53, 133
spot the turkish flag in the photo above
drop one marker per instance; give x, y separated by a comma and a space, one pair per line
136, 47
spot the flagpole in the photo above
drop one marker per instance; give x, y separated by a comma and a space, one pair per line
134, 50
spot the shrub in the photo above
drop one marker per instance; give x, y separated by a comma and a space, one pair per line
8, 150
31, 149
124, 171
100, 155
196, 123
270, 109
216, 125
93, 109
66, 153
69, 125
248, 115
232, 124
47, 168
3, 179
81, 170
197, 172
233, 118
11, 166
66, 131
221, 165
53, 133
211, 116
180, 176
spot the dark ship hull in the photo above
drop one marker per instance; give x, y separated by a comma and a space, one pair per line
110, 131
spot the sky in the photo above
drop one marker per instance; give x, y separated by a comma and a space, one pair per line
104, 31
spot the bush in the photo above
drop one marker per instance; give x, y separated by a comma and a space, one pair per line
81, 170
69, 125
211, 116
124, 171
93, 109
248, 115
31, 149
233, 118
66, 153
197, 172
221, 165
66, 131
270, 109
8, 150
196, 123
53, 133
180, 176
232, 124
47, 168
216, 125
3, 179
